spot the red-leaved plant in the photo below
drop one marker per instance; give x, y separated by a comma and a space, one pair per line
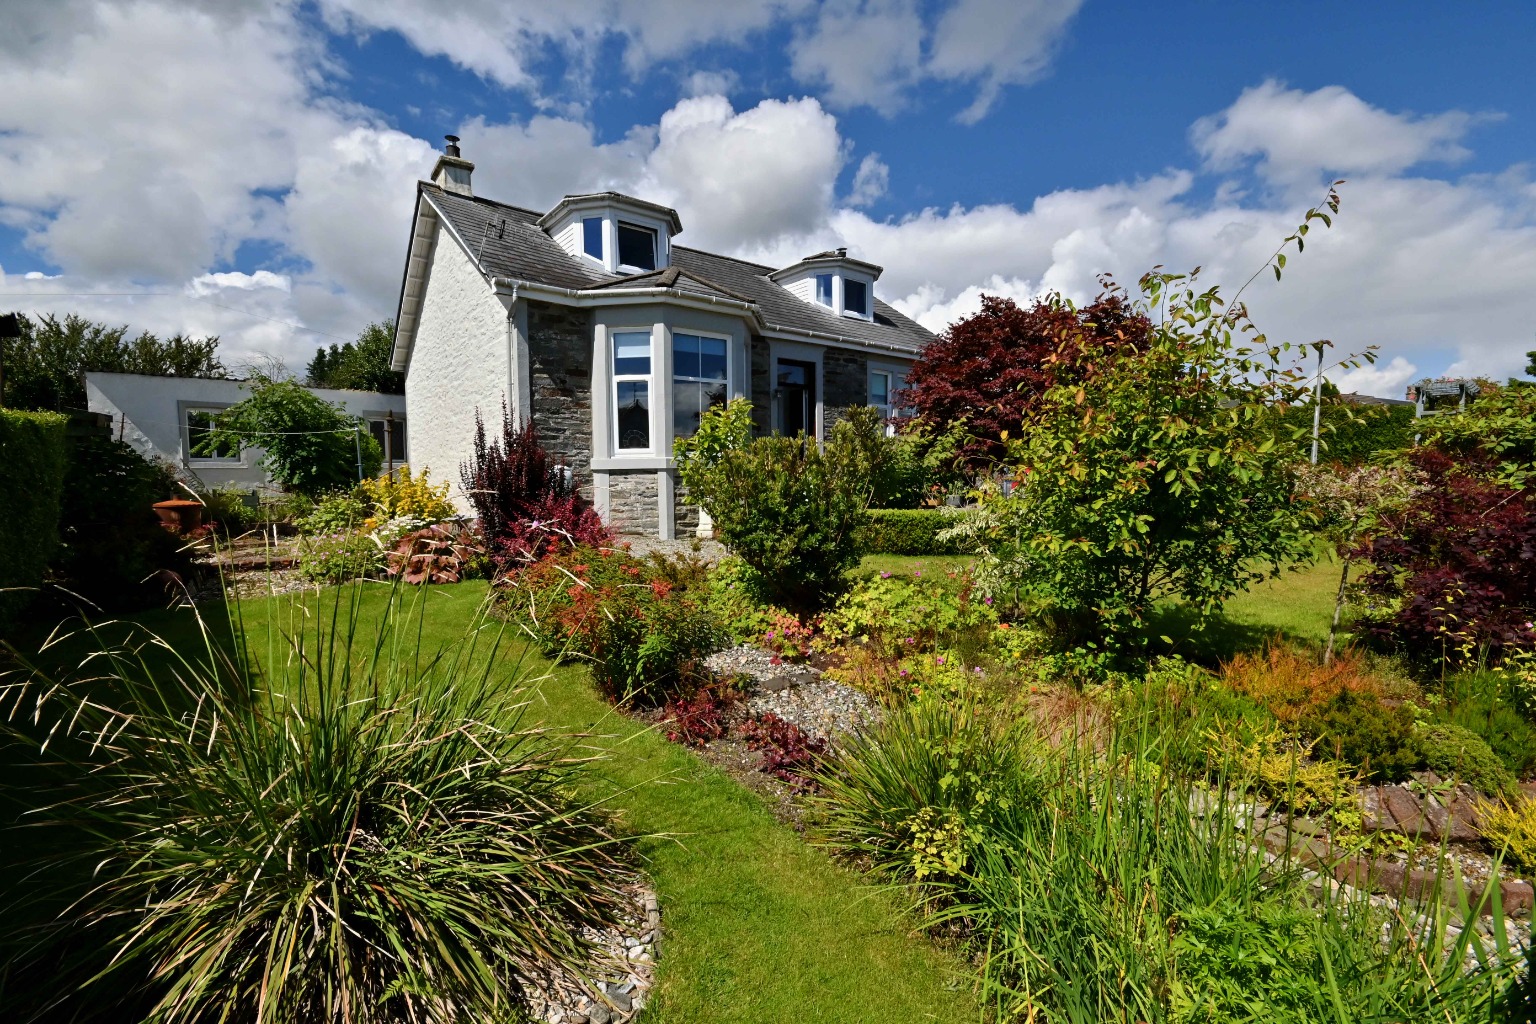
436, 554
1459, 562
790, 754
527, 507
992, 368
695, 721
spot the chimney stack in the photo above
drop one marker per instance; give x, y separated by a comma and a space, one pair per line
452, 171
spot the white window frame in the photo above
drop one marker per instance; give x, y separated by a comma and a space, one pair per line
630, 268
191, 460
869, 300
730, 369
384, 422
896, 380
831, 302
602, 239
615, 379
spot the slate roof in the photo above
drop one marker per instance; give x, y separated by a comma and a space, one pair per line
507, 242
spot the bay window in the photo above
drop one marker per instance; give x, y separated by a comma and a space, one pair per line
632, 389
884, 386
698, 379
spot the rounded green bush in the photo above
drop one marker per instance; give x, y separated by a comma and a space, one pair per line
1450, 750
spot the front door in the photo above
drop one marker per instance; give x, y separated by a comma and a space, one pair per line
796, 386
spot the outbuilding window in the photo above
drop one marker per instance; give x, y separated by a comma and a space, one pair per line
202, 444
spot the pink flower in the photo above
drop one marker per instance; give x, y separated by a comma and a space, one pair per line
903, 671
941, 659
769, 635
885, 575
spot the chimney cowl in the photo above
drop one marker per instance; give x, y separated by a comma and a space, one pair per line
452, 149
842, 252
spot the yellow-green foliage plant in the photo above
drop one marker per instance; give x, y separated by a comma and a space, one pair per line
1511, 827
1281, 768
400, 495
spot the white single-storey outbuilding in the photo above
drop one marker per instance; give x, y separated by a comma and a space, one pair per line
162, 417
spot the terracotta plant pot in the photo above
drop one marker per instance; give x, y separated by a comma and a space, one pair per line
179, 515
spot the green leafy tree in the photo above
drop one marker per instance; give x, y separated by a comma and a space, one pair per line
311, 445
45, 368
1164, 474
1495, 437
1352, 503
362, 365
789, 508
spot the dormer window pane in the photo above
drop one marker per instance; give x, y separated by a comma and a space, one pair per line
824, 289
856, 297
592, 237
637, 247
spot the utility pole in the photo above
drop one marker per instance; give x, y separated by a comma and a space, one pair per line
10, 327
1317, 399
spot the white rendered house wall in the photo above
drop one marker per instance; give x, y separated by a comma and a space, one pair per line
459, 363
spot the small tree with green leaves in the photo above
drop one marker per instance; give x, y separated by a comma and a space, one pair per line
1162, 475
311, 445
1351, 502
788, 507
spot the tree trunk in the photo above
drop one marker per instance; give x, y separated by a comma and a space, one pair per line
1338, 611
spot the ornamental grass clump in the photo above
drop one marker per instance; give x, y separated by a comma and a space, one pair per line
1097, 884
338, 827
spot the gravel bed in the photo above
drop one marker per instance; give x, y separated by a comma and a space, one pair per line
796, 693
621, 986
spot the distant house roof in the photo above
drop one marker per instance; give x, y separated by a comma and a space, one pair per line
507, 242
1355, 398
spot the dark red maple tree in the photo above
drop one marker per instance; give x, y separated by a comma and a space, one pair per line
991, 369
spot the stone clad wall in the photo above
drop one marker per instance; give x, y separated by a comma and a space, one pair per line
762, 384
560, 384
845, 378
633, 502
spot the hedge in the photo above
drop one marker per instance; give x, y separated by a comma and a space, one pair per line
908, 531
32, 457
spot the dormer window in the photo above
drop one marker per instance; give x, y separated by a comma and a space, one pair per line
637, 246
592, 237
824, 289
619, 233
833, 280
855, 297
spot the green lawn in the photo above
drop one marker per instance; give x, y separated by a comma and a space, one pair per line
758, 925
1297, 605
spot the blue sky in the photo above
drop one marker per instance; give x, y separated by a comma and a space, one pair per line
246, 167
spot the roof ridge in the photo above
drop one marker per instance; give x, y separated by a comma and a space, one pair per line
478, 199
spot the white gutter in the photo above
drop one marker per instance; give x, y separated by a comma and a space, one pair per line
629, 296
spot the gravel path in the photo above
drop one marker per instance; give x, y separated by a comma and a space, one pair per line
622, 985
796, 693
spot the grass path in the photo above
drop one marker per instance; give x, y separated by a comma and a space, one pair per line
758, 925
